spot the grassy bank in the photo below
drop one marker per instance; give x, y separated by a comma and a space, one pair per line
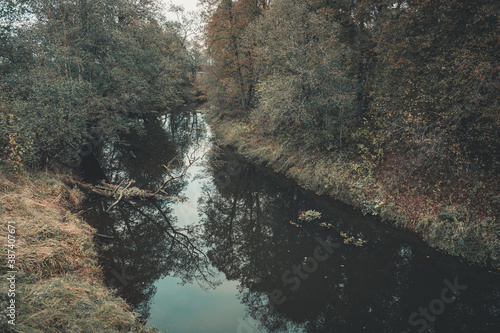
459, 217
59, 285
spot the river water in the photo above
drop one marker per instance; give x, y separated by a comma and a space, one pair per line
236, 255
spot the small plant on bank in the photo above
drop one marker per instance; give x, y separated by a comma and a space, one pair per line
454, 213
372, 207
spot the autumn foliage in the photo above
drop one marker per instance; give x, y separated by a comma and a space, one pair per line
420, 77
396, 101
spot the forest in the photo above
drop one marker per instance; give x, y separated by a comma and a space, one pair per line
389, 105
73, 71
74, 76
420, 77
378, 118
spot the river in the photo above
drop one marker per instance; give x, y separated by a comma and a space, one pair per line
237, 255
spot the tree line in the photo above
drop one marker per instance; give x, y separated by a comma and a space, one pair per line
74, 70
415, 77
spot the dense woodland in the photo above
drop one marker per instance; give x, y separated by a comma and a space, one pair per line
416, 76
391, 106
73, 72
418, 79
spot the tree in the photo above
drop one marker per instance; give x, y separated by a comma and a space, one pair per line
93, 66
304, 90
229, 76
437, 83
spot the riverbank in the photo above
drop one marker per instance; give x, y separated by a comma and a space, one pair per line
59, 285
459, 218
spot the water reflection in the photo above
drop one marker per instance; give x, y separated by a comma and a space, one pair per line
244, 233
373, 288
147, 242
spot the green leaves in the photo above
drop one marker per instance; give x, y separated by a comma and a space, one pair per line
91, 61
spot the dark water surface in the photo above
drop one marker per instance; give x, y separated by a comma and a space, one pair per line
235, 257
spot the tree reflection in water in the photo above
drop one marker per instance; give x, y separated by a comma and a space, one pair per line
245, 233
373, 288
148, 243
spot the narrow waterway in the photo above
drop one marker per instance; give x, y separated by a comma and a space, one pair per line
236, 255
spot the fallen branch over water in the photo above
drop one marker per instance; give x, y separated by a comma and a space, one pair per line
129, 192
118, 192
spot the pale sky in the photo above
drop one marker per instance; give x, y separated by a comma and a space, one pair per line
191, 28
189, 5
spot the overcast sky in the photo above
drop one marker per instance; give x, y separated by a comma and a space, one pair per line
189, 5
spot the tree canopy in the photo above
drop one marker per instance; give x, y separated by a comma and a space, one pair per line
77, 69
416, 77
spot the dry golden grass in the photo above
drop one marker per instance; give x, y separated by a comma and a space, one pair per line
59, 286
69, 305
50, 240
